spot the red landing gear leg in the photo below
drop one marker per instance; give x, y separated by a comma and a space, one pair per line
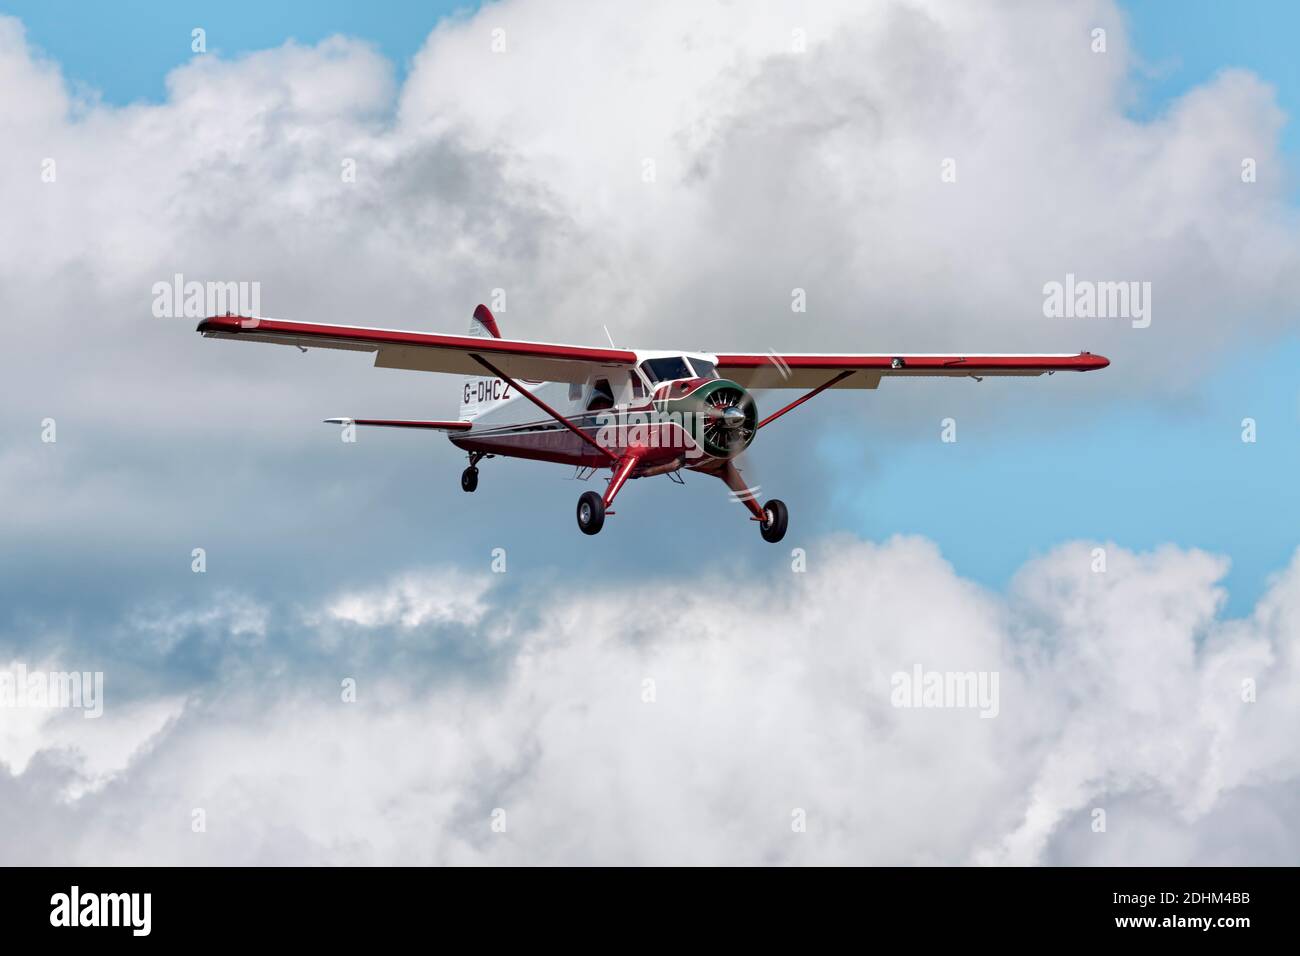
772, 517
621, 473
749, 496
592, 507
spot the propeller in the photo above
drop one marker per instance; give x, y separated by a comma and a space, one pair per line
731, 419
770, 375
731, 422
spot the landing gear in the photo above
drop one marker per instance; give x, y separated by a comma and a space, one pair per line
771, 518
592, 507
591, 512
469, 477
775, 517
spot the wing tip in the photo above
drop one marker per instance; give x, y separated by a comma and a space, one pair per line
227, 323
1093, 362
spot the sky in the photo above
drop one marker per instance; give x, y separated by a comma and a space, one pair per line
523, 170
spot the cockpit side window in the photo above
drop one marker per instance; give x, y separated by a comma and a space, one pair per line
638, 385
665, 369
704, 369
602, 396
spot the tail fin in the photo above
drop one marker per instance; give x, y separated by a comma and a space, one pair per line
476, 390
484, 320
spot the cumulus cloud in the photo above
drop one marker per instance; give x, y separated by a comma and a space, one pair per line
414, 600
802, 147
66, 727
691, 726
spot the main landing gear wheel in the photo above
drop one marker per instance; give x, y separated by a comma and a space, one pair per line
775, 517
469, 479
591, 512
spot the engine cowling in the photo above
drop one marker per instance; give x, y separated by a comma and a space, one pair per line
720, 415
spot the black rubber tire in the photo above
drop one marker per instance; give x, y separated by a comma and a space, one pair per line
773, 526
592, 506
469, 479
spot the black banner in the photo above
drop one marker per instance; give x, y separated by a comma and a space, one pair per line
1219, 906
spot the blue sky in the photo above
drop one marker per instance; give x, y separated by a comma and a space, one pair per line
1140, 475
125, 49
1185, 42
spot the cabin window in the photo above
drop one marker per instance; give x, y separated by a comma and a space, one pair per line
704, 369
638, 386
665, 369
602, 396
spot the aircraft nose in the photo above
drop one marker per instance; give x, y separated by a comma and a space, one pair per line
732, 417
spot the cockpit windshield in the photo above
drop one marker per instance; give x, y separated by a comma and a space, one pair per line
665, 369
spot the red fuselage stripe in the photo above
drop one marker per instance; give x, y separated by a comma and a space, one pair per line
544, 407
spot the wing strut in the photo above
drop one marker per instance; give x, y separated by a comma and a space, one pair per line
799, 401
544, 407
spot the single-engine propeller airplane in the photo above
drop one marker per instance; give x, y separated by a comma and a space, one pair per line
634, 411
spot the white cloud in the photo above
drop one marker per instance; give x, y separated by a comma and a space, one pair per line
821, 170
75, 734
414, 600
1120, 691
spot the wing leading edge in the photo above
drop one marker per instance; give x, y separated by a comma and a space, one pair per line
799, 370
426, 351
550, 362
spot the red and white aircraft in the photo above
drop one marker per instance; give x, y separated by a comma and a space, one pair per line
635, 411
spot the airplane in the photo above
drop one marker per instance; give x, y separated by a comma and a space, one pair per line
637, 412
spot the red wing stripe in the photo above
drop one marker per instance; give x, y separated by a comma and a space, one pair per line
235, 325
1082, 362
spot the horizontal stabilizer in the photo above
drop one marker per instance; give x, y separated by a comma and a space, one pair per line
395, 423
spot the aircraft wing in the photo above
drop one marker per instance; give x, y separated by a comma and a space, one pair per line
427, 351
550, 362
800, 370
